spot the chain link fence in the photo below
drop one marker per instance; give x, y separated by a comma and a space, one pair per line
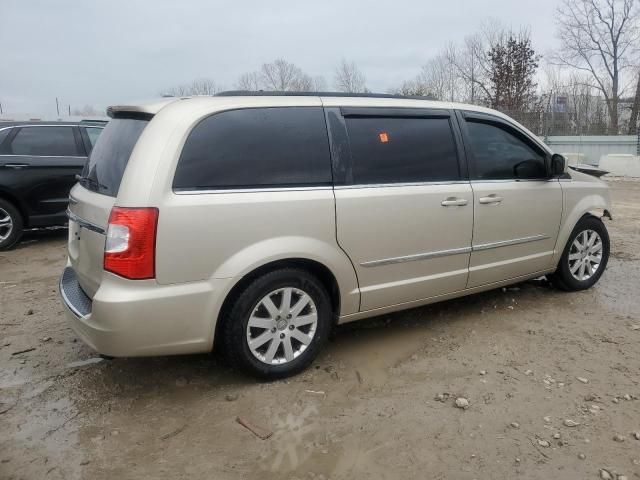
550, 123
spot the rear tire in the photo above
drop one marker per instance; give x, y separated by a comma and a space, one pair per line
11, 225
585, 256
278, 324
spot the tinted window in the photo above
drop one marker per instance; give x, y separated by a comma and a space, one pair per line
499, 154
93, 134
402, 150
108, 160
256, 147
3, 135
44, 141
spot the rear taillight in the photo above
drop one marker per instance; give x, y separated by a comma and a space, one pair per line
130, 249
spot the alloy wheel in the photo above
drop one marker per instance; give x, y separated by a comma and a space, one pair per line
6, 225
282, 326
585, 255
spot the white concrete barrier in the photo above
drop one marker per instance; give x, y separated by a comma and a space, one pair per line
621, 165
574, 158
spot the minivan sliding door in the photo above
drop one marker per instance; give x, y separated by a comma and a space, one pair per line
403, 205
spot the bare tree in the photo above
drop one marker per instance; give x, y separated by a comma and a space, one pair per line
348, 78
319, 83
412, 88
599, 37
469, 62
250, 82
203, 86
635, 108
281, 75
436, 79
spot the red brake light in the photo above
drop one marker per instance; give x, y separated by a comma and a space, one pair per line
130, 248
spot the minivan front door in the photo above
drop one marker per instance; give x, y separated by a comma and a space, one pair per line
517, 208
403, 211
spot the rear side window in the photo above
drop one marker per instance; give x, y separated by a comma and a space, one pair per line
499, 154
256, 147
93, 133
402, 150
45, 141
110, 155
3, 135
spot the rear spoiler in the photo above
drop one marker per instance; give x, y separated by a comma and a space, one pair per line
149, 108
589, 170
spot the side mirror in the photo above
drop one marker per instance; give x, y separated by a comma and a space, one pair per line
558, 165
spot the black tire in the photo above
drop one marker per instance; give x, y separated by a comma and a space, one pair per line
8, 209
562, 278
234, 329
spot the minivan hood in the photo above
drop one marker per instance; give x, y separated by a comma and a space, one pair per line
585, 177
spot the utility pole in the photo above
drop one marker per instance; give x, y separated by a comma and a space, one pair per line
57, 106
0, 108
69, 110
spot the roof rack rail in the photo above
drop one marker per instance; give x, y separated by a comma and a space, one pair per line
263, 93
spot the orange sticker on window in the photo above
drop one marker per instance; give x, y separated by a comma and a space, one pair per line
384, 137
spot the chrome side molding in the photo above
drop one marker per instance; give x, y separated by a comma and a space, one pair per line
416, 257
85, 224
507, 243
453, 251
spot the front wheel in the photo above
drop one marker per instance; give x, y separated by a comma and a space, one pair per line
585, 256
278, 324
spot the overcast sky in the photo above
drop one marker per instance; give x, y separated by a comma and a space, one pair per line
105, 52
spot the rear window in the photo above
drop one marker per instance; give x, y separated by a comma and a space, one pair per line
110, 155
256, 147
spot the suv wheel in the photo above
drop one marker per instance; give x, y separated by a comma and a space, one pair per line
10, 225
278, 324
585, 256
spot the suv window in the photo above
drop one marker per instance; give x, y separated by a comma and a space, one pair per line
3, 135
499, 154
402, 150
110, 155
93, 133
45, 141
256, 147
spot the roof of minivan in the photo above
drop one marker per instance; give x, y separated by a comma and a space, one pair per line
199, 106
152, 107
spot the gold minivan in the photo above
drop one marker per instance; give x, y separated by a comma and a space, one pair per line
256, 221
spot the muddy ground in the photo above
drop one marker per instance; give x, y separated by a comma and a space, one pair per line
378, 403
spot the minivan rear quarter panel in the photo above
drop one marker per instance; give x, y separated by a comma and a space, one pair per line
227, 234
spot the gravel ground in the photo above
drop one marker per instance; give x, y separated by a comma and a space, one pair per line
550, 383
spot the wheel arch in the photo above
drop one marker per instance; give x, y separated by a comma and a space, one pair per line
316, 268
595, 204
15, 201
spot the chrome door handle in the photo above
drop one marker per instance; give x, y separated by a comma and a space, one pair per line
16, 165
454, 202
491, 199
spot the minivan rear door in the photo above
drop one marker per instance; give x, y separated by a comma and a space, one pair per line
92, 199
403, 205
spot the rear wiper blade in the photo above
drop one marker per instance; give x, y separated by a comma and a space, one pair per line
90, 181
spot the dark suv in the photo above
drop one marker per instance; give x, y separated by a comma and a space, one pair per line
38, 166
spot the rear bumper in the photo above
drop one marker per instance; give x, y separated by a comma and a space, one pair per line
129, 318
